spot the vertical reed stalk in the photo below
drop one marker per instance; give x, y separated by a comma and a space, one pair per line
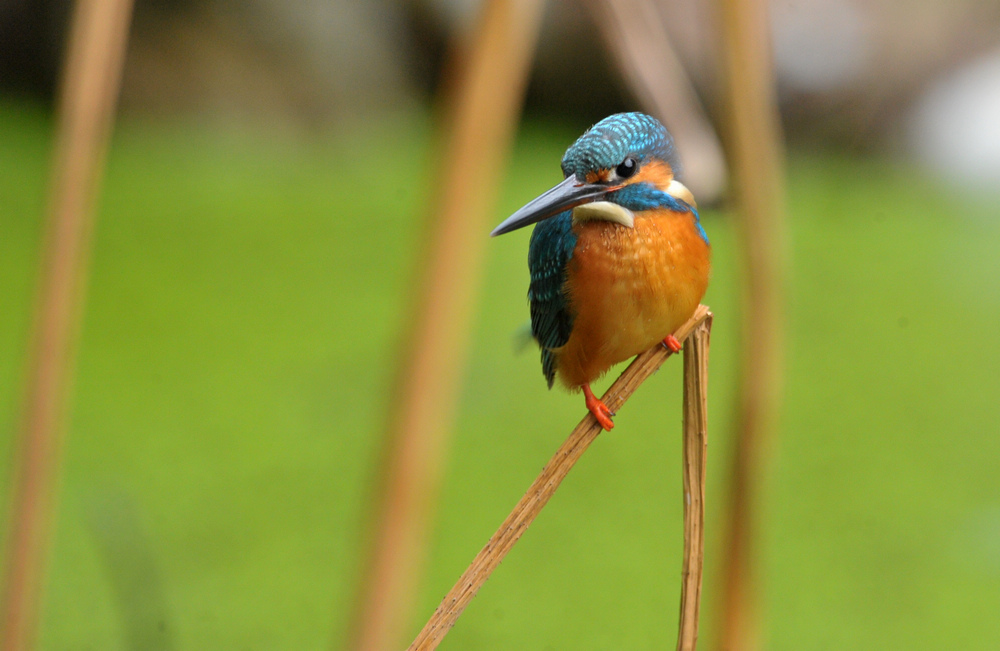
636, 33
486, 99
90, 85
695, 451
757, 166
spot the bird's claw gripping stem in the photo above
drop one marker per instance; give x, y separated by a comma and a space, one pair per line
598, 409
671, 344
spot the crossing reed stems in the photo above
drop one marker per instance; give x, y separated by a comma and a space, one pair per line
542, 489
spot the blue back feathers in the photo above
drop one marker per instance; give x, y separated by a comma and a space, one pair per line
609, 142
551, 247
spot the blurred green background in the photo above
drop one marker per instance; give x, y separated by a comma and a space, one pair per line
245, 307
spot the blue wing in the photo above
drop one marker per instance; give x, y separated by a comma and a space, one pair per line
550, 250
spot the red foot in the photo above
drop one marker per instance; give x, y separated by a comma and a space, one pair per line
672, 344
598, 408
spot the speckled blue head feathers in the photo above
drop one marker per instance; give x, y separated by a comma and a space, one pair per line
605, 166
609, 142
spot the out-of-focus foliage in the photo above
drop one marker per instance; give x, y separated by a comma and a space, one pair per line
913, 79
246, 301
848, 70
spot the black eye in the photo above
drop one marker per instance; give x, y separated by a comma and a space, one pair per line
627, 168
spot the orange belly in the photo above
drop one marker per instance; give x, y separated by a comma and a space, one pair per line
629, 288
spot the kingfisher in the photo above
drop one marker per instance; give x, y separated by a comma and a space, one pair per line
618, 256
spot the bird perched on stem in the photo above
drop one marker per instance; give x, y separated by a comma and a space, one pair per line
618, 256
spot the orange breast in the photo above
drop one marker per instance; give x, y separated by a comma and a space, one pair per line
629, 288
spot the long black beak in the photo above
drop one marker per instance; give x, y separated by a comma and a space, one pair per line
568, 194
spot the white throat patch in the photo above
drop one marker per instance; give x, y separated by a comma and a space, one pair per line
679, 190
604, 211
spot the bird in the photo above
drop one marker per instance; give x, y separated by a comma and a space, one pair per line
618, 258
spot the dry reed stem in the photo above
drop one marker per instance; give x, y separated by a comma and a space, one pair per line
89, 93
485, 98
695, 450
756, 157
542, 489
636, 33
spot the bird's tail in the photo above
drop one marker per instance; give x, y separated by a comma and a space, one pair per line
522, 338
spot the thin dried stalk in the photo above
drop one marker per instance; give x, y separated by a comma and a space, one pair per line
757, 165
636, 33
92, 75
695, 449
541, 490
485, 101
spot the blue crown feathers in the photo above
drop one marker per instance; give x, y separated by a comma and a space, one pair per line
609, 142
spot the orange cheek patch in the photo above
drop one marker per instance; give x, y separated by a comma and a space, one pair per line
657, 173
